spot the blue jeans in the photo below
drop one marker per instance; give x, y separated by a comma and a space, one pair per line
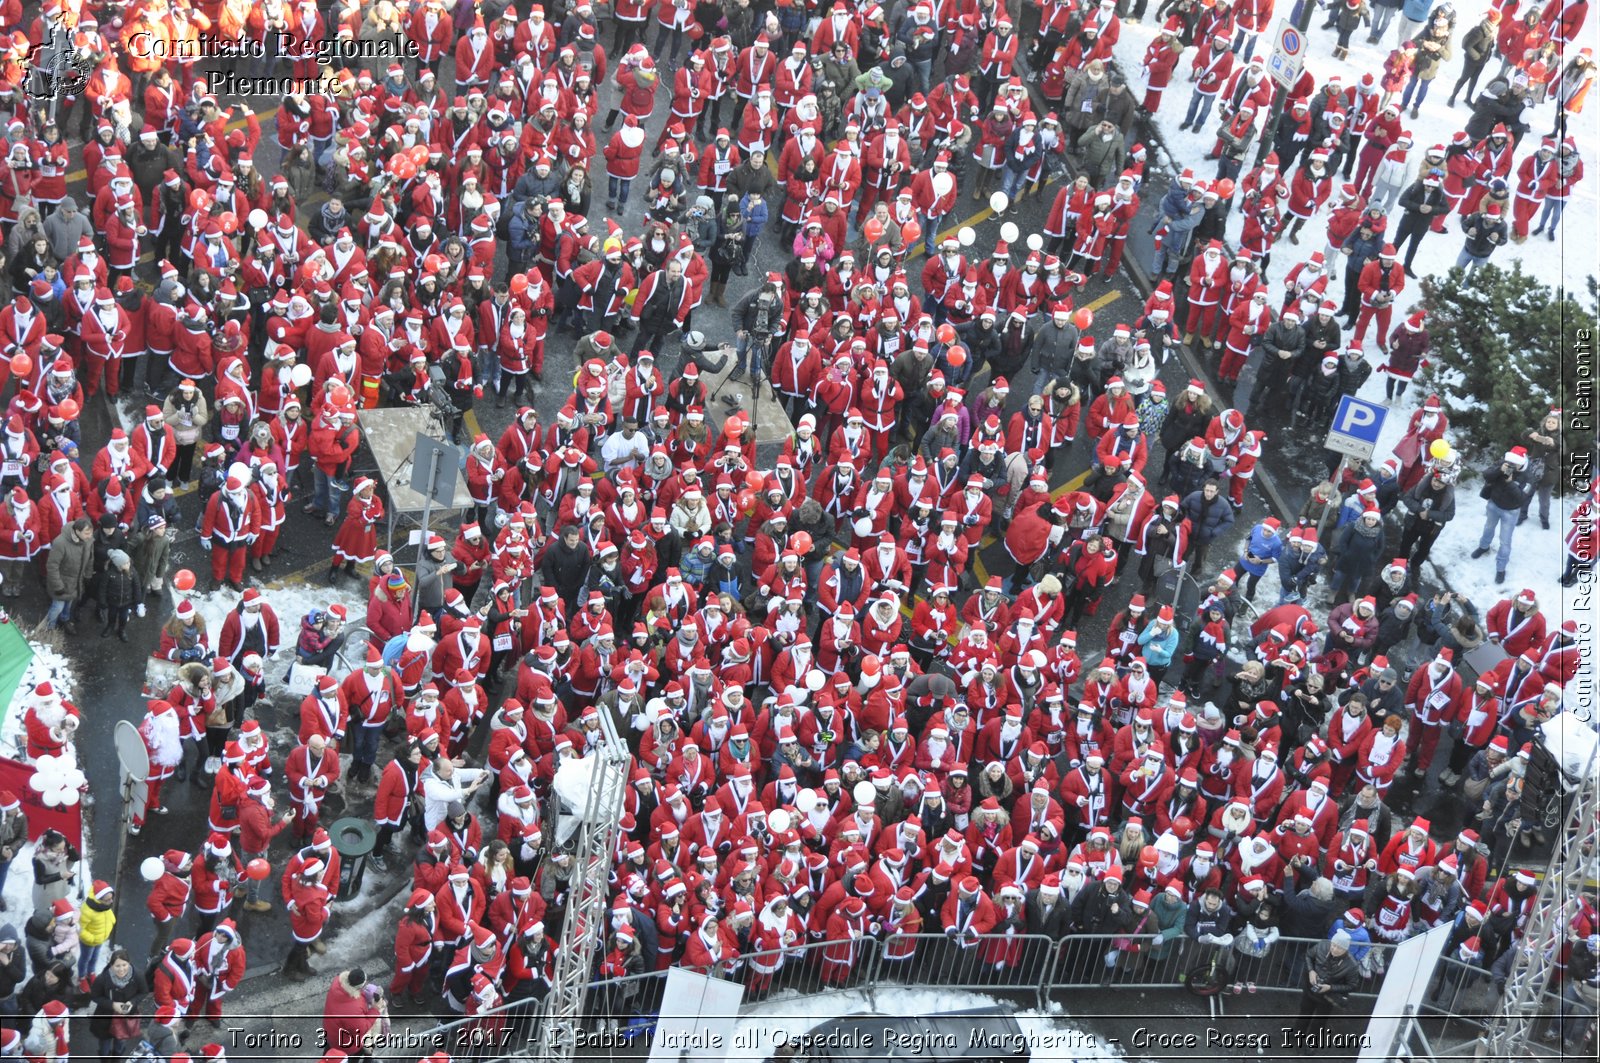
88, 960
1421, 88
750, 354
1042, 379
1550, 217
617, 189
60, 612
1011, 183
1244, 44
1470, 262
1506, 521
1199, 108
252, 887
328, 494
366, 744
488, 369
1381, 17
930, 234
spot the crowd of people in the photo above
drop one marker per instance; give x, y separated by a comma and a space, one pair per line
848, 673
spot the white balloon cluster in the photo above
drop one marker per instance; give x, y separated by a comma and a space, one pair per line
57, 780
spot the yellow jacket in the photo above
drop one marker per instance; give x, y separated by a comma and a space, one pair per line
95, 923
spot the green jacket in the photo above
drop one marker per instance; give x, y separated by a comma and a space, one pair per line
71, 564
1168, 913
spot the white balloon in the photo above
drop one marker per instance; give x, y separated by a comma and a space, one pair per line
816, 679
150, 868
966, 236
865, 793
1009, 232
257, 218
300, 375
999, 202
779, 820
1035, 242
241, 470
943, 183
862, 526
806, 801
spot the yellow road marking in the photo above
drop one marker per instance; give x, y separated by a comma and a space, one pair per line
979, 569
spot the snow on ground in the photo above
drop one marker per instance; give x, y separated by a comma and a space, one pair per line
1556, 264
1053, 1037
1537, 557
291, 601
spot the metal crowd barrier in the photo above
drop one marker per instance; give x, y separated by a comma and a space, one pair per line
1030, 970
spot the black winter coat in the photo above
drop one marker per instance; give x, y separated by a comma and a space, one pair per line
1359, 549
119, 588
1484, 232
1184, 422
1500, 488
1098, 911
564, 568
1420, 195
1208, 519
104, 992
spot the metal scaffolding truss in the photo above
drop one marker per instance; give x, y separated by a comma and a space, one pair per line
1571, 868
593, 844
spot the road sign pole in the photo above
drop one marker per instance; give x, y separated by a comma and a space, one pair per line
1338, 476
1269, 132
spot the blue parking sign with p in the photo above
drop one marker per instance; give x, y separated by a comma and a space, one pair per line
1357, 424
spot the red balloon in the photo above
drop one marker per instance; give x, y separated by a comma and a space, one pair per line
801, 542
746, 500
68, 409
910, 231
519, 283
258, 870
418, 154
183, 579
956, 356
403, 168
21, 365
947, 334
340, 395
755, 479
229, 222
1083, 318
872, 230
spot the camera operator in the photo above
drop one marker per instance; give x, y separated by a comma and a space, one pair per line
758, 317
